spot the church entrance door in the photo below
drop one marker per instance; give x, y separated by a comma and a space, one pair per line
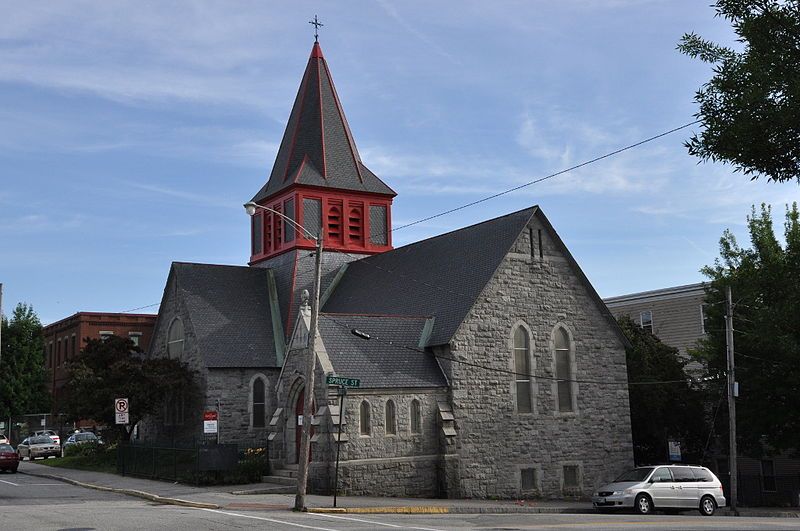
298, 425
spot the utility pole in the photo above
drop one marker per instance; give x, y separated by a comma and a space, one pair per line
732, 392
305, 441
1, 328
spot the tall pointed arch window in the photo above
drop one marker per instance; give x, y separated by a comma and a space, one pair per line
564, 363
416, 417
355, 226
175, 339
391, 418
334, 223
259, 403
363, 419
522, 370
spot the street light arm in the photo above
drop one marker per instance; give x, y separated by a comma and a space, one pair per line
250, 207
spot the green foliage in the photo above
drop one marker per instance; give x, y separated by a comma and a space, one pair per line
750, 109
92, 457
661, 411
22, 385
116, 368
766, 292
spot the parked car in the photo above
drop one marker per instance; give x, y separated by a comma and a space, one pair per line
50, 433
674, 487
38, 446
86, 437
4, 439
9, 460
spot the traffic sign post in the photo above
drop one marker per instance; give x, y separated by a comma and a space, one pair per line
121, 410
343, 384
210, 422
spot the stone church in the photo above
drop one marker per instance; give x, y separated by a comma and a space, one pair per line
488, 365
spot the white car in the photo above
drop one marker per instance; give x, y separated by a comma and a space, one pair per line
675, 487
50, 433
3, 439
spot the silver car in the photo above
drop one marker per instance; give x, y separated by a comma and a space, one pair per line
38, 446
675, 487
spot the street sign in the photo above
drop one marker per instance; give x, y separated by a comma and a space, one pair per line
345, 382
121, 410
210, 422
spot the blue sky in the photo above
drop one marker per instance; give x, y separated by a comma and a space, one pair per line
132, 132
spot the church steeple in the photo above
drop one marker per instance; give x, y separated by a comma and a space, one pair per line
319, 179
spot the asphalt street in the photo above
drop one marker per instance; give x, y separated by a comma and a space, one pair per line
34, 503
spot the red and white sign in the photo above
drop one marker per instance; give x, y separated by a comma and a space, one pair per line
210, 422
121, 410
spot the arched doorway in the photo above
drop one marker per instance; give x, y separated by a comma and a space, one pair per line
297, 433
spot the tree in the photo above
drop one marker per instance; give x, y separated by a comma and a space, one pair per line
750, 109
115, 368
766, 293
22, 373
660, 411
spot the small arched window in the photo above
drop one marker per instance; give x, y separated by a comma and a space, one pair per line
416, 417
355, 226
364, 421
259, 404
175, 339
391, 418
522, 370
335, 224
564, 370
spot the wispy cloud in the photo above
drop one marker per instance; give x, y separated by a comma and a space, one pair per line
188, 197
31, 223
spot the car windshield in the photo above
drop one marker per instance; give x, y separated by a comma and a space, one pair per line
85, 437
637, 474
42, 440
6, 448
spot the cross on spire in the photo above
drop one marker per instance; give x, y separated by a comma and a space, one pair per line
316, 23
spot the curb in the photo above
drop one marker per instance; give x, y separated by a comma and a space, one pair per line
450, 510
129, 492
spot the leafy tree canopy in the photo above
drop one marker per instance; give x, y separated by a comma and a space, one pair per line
661, 411
115, 368
766, 295
22, 374
750, 109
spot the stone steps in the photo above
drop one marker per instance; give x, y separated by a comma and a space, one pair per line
285, 472
280, 480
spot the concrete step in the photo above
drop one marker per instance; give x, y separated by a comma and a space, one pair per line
268, 488
280, 480
285, 472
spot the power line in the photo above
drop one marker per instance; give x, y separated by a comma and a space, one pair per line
529, 183
503, 371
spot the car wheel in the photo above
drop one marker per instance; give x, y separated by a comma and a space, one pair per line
707, 506
643, 504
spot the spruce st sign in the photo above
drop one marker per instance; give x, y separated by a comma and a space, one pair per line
343, 382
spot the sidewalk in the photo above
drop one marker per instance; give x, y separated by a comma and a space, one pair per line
223, 497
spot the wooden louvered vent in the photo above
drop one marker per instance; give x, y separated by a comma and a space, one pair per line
335, 224
355, 226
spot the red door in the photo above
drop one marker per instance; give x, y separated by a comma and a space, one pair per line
298, 430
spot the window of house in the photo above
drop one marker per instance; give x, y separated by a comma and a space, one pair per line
364, 420
571, 477
134, 337
104, 334
416, 417
391, 418
259, 409
703, 318
335, 224
256, 223
288, 228
312, 215
528, 479
355, 226
268, 232
74, 341
377, 222
768, 475
175, 339
564, 376
522, 370
646, 320
58, 353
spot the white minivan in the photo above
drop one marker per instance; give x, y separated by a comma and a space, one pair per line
675, 487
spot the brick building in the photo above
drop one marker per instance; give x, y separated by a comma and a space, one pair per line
489, 366
65, 338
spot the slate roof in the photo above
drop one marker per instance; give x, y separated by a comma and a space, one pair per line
229, 311
317, 147
441, 277
391, 358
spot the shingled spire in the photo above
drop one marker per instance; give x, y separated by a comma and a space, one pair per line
317, 147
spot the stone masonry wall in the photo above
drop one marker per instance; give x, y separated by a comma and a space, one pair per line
233, 389
494, 441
